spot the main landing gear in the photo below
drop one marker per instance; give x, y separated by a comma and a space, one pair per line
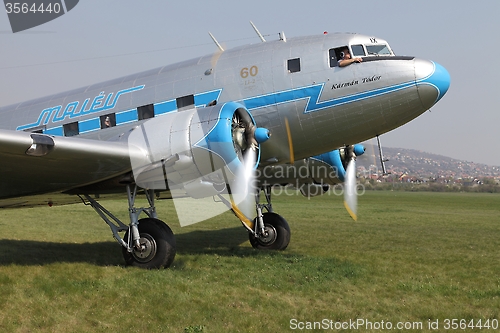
270, 230
148, 242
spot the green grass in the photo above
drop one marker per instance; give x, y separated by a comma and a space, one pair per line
410, 257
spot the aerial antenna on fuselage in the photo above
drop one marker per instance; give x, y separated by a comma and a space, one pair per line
258, 32
216, 42
282, 36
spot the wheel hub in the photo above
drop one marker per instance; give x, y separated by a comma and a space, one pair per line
147, 250
269, 236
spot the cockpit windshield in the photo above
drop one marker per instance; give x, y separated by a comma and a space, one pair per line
378, 50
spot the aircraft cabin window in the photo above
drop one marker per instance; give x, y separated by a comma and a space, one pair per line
185, 102
108, 120
146, 111
294, 65
71, 129
378, 50
358, 50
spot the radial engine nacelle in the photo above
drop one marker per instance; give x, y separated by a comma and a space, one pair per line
331, 166
312, 176
197, 150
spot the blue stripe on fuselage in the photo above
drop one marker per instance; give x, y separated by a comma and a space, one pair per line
128, 116
89, 125
313, 93
125, 117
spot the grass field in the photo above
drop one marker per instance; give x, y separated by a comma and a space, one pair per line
411, 258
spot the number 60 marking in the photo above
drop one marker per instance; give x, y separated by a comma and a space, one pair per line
253, 71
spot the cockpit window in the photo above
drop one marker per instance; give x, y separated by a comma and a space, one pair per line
332, 57
378, 50
336, 54
358, 50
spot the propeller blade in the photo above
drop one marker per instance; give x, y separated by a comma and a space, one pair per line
246, 141
350, 196
243, 189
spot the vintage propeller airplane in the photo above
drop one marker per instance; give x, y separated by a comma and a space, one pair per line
228, 125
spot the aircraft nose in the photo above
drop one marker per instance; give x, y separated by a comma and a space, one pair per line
432, 80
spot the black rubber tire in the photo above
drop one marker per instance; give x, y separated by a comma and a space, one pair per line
160, 245
276, 224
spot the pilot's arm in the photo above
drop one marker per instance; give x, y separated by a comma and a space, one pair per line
347, 62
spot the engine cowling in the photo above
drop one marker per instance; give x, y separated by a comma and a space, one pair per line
197, 150
330, 167
312, 176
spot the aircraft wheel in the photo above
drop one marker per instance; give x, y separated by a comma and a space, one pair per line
277, 234
158, 243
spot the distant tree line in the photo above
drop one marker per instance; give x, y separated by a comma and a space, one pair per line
486, 187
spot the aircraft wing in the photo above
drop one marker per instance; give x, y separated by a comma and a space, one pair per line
193, 149
33, 163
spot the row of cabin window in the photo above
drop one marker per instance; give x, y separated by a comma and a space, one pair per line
143, 112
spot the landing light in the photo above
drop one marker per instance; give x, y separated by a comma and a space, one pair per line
41, 146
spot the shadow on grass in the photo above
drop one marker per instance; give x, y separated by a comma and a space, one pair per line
23, 252
227, 243
220, 242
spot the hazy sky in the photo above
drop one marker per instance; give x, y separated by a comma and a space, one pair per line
104, 39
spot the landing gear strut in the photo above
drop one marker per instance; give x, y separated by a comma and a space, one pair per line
148, 242
268, 231
271, 230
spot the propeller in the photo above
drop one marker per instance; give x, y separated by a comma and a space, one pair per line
243, 189
246, 138
350, 195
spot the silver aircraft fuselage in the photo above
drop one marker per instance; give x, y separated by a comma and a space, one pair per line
297, 80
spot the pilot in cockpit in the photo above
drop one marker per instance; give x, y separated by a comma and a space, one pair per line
345, 58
